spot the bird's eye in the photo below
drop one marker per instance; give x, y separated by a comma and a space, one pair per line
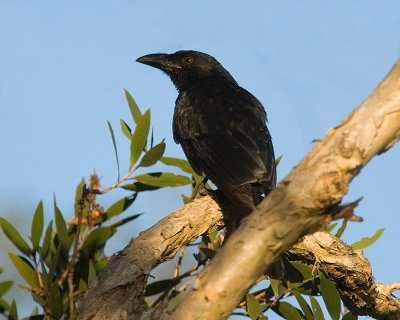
188, 60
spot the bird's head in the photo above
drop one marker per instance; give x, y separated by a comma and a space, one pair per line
188, 68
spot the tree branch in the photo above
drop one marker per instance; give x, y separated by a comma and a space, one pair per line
352, 274
307, 199
118, 292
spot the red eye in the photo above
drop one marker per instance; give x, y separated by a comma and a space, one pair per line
188, 60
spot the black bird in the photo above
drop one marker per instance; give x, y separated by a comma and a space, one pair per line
221, 128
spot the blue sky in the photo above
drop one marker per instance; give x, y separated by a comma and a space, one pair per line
64, 64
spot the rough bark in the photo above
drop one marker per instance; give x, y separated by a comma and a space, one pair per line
303, 202
352, 274
118, 292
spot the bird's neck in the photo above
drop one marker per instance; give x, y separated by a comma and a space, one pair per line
215, 81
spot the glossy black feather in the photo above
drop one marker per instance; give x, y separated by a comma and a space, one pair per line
221, 127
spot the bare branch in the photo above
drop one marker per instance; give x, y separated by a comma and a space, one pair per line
118, 292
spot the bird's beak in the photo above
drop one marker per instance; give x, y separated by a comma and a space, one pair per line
160, 61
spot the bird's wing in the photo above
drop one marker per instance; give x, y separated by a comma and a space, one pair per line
226, 137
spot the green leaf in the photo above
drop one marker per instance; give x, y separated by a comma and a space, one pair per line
342, 228
139, 137
153, 155
61, 228
303, 269
25, 270
79, 192
120, 206
55, 302
275, 287
47, 240
92, 271
126, 130
366, 242
13, 235
331, 227
35, 312
37, 226
163, 179
349, 316
331, 296
114, 145
82, 287
125, 220
288, 311
316, 308
98, 237
185, 199
182, 164
139, 187
253, 306
12, 313
5, 286
53, 266
158, 287
135, 111
278, 160
303, 305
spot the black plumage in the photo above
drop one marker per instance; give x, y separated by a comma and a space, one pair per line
221, 128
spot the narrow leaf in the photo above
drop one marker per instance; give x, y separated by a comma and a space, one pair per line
92, 271
55, 302
349, 316
303, 269
126, 130
158, 287
316, 308
13, 235
82, 287
46, 241
139, 137
114, 145
37, 226
25, 270
366, 241
120, 206
253, 306
304, 306
79, 192
342, 228
135, 111
331, 227
182, 164
139, 187
98, 237
163, 179
331, 296
5, 286
12, 312
278, 160
288, 311
53, 266
275, 287
61, 228
153, 155
125, 220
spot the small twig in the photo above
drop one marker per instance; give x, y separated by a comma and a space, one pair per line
175, 281
73, 260
119, 181
178, 265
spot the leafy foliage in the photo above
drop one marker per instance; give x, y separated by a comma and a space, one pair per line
66, 256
